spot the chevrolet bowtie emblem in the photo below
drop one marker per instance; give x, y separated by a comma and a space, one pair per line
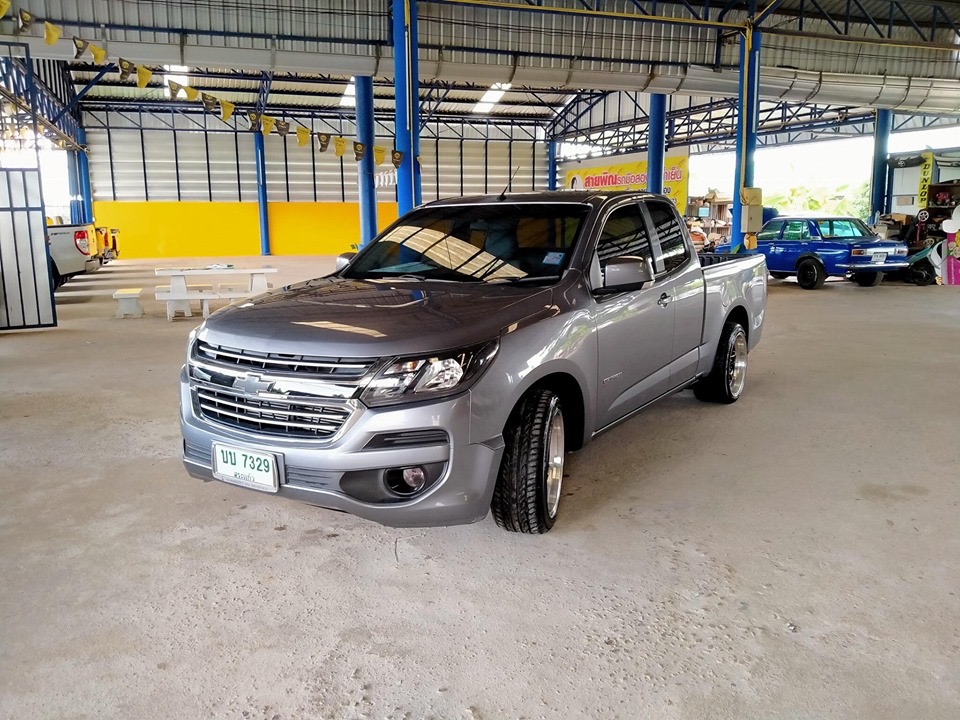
252, 384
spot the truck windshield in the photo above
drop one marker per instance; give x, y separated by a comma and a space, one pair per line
843, 229
500, 242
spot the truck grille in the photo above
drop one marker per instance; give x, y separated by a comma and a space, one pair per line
289, 417
337, 369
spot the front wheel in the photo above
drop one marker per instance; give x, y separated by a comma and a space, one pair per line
868, 279
728, 376
527, 496
810, 274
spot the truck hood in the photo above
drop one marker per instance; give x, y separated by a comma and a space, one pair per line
336, 317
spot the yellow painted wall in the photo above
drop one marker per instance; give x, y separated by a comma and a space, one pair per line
208, 229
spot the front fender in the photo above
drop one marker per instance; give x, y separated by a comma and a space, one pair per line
565, 343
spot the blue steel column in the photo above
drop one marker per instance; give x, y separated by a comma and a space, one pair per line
657, 143
83, 175
365, 135
747, 117
881, 142
259, 159
552, 165
407, 101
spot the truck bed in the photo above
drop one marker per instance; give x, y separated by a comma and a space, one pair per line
717, 258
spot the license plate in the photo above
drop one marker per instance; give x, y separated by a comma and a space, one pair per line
244, 467
879, 257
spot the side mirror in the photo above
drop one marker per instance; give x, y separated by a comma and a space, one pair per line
627, 273
344, 259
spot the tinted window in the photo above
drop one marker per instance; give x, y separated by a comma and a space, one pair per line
472, 243
770, 231
796, 230
670, 233
624, 233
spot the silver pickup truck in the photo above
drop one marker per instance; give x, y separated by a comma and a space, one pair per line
447, 368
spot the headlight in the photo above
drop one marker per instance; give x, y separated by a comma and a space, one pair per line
429, 377
191, 339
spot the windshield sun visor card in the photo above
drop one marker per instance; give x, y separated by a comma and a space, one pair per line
553, 258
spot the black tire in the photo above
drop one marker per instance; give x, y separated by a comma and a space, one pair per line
520, 497
810, 274
868, 279
56, 279
720, 385
779, 275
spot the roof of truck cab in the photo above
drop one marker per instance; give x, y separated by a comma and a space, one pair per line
591, 197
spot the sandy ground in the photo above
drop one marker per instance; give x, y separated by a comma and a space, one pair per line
795, 555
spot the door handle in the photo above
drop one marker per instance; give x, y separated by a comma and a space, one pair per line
664, 300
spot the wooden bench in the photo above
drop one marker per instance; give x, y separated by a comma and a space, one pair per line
180, 302
128, 302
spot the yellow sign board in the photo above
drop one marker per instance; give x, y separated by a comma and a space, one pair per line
633, 176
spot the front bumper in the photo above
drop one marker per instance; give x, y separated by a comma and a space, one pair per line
874, 267
317, 472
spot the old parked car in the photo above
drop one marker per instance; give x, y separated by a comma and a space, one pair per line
448, 367
814, 248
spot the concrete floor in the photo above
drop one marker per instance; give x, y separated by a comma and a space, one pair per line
795, 555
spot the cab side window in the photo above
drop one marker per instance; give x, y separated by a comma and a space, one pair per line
671, 234
624, 233
797, 230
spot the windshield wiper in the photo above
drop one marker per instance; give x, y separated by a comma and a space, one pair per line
528, 279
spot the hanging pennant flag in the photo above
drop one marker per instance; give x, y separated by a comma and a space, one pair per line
4, 7
379, 154
209, 102
143, 76
191, 93
303, 136
51, 33
358, 150
226, 110
323, 140
254, 119
79, 47
397, 157
175, 88
126, 69
24, 20
266, 124
283, 127
339, 146
99, 54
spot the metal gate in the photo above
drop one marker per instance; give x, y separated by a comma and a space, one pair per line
26, 292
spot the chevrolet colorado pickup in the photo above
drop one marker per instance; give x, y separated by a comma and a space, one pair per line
447, 368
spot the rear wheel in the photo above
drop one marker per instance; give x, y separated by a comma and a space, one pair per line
56, 279
779, 275
868, 279
527, 496
726, 380
810, 274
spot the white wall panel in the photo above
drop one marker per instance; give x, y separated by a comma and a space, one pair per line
450, 168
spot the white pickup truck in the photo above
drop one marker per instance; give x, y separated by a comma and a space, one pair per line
73, 251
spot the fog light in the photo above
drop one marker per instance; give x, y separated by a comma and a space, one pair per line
415, 478
407, 481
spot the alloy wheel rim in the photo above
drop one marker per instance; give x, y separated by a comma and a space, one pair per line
555, 440
737, 365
